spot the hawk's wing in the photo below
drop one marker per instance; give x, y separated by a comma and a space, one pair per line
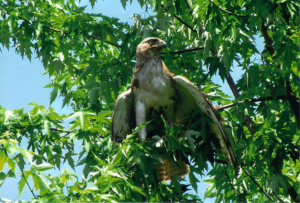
189, 96
123, 117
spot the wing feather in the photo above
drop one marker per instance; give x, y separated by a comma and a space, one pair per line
206, 107
122, 118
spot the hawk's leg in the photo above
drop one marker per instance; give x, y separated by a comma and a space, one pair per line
140, 112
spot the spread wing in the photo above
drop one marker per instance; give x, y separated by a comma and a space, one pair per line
190, 96
123, 117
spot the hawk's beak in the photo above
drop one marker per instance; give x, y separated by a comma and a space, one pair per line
163, 44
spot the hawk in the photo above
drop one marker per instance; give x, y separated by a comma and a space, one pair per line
156, 92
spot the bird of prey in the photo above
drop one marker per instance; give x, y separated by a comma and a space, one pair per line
156, 92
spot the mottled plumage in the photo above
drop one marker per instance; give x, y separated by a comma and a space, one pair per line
155, 91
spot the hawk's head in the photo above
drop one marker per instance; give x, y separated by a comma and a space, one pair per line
150, 47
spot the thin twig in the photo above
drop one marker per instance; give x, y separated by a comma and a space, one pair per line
238, 15
257, 184
220, 108
262, 59
62, 131
191, 13
182, 21
163, 137
203, 79
183, 50
31, 190
275, 194
52, 129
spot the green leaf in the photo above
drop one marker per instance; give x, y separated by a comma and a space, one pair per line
93, 2
3, 159
68, 156
41, 167
40, 183
53, 94
87, 145
26, 154
101, 116
124, 3
193, 180
209, 191
2, 178
5, 200
22, 182
8, 114
82, 117
108, 197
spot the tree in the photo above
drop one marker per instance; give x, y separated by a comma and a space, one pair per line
90, 58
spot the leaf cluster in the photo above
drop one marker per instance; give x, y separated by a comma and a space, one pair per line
90, 58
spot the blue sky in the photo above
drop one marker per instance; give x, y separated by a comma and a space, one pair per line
22, 82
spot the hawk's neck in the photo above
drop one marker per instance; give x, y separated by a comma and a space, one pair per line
144, 62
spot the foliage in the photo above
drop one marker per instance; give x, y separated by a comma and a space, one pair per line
90, 58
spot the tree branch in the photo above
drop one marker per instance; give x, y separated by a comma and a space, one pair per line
183, 50
225, 11
52, 129
182, 21
257, 184
220, 108
236, 95
31, 190
275, 194
203, 79
294, 104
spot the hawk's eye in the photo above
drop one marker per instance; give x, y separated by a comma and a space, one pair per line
151, 42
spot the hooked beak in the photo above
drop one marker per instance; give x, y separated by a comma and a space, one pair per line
163, 44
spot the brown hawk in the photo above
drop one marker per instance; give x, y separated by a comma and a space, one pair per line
155, 91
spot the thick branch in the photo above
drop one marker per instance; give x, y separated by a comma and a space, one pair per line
293, 193
220, 108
